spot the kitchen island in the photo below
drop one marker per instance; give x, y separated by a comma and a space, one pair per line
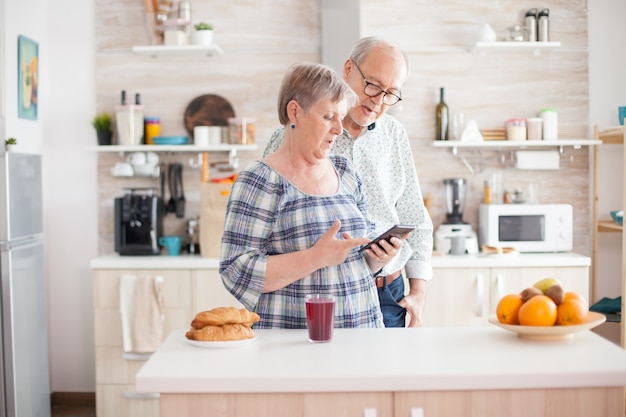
431, 372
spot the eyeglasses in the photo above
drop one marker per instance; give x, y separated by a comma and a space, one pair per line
372, 90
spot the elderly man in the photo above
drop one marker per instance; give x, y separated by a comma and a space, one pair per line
378, 146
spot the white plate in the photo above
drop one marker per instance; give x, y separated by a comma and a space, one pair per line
222, 344
551, 332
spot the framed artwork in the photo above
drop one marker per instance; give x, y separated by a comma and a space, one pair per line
28, 76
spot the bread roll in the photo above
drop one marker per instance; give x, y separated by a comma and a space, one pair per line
221, 333
224, 315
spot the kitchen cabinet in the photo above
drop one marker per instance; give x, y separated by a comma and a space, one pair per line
185, 292
285, 404
468, 296
609, 136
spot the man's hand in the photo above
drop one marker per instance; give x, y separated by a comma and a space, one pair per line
415, 301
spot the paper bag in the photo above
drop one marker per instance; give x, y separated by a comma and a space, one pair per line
213, 201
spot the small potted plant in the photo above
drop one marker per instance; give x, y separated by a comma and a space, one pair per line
10, 143
103, 123
203, 35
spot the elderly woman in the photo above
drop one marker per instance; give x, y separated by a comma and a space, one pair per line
296, 219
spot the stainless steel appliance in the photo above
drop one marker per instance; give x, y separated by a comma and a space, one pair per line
454, 228
527, 227
24, 381
138, 222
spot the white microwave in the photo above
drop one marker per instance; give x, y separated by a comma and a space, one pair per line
527, 227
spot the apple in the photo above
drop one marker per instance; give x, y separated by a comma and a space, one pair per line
546, 283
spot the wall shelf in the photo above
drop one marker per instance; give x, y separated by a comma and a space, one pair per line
455, 145
174, 148
510, 46
177, 50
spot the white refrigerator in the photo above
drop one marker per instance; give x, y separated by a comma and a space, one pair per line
25, 382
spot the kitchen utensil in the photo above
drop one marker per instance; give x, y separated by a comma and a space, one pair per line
171, 181
170, 140
207, 110
180, 202
122, 169
517, 33
162, 178
172, 243
192, 231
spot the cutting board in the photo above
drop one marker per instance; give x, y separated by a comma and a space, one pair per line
207, 110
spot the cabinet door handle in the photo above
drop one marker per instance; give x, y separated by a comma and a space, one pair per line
499, 286
130, 356
132, 394
480, 294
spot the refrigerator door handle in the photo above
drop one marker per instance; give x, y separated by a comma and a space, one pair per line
22, 243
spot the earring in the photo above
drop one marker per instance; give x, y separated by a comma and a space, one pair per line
293, 125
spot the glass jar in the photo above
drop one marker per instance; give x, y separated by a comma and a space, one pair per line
515, 129
152, 129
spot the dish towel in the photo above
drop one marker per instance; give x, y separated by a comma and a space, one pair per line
141, 310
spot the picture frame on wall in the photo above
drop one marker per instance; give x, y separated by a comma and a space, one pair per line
28, 77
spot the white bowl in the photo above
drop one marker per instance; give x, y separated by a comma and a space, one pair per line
551, 332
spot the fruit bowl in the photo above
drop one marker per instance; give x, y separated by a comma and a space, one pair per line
618, 216
551, 332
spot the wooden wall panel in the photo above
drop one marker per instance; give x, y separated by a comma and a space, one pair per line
261, 39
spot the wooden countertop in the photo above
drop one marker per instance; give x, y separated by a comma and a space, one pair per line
377, 360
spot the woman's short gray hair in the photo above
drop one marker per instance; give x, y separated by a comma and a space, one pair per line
309, 84
366, 45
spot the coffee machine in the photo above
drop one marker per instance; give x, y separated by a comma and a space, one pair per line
454, 233
138, 222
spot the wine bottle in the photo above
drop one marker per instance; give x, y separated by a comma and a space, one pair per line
442, 118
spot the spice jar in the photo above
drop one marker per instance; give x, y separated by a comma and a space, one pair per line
152, 129
486, 193
516, 129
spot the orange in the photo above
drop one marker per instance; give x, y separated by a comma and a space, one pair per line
571, 295
571, 311
538, 311
507, 308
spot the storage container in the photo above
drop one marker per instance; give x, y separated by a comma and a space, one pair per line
550, 119
152, 129
241, 130
515, 129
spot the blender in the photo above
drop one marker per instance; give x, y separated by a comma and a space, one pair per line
454, 236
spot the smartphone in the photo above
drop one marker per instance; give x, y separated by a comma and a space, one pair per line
397, 230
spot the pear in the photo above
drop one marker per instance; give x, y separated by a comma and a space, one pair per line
529, 293
546, 283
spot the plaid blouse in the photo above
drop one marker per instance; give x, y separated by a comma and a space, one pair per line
268, 215
383, 158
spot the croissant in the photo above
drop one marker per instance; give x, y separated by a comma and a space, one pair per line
224, 315
221, 333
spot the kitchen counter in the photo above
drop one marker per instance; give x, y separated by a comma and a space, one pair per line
459, 358
563, 259
446, 261
115, 261
445, 360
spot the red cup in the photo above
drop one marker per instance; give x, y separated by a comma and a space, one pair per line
319, 317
